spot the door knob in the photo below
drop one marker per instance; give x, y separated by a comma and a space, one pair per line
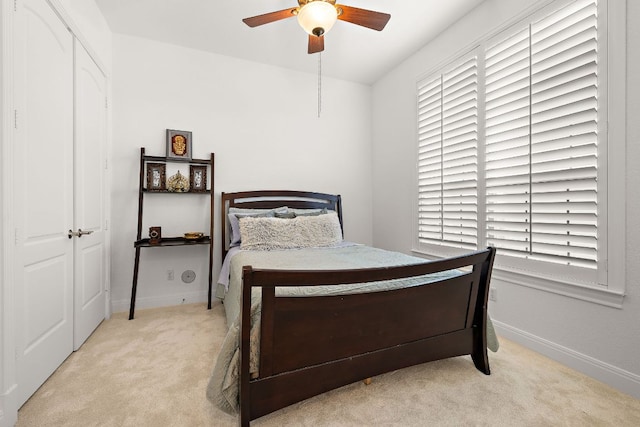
78, 233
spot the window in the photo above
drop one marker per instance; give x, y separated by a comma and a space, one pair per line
512, 148
541, 139
447, 157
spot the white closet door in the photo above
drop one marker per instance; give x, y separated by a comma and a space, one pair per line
89, 211
43, 194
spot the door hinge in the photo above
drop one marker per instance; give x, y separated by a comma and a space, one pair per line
15, 119
15, 5
16, 236
106, 224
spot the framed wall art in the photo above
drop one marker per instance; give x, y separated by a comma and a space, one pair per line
156, 177
178, 144
198, 178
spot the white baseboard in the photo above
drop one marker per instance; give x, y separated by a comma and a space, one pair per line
625, 381
160, 301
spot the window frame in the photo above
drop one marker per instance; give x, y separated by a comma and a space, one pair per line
607, 287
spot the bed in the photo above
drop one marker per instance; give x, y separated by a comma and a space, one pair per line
308, 312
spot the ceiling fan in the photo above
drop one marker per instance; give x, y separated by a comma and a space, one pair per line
317, 17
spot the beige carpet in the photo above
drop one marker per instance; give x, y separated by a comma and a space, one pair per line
153, 371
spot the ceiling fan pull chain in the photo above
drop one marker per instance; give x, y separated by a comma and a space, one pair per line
319, 83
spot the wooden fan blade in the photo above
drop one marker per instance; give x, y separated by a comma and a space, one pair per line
254, 21
364, 17
316, 44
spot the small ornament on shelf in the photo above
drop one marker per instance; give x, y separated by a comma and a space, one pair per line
155, 235
178, 183
194, 235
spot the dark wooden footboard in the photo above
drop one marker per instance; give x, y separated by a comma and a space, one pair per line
310, 345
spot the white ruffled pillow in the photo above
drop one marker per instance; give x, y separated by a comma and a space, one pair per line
236, 213
301, 232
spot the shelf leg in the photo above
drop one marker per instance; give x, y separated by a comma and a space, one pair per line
210, 270
134, 285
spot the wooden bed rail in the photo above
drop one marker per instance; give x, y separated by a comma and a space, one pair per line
310, 345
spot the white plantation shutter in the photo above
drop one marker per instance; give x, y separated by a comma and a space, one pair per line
507, 142
448, 157
545, 109
541, 139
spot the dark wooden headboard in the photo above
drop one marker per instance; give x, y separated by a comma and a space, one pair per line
270, 199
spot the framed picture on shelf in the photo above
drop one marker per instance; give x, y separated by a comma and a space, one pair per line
156, 177
178, 145
198, 178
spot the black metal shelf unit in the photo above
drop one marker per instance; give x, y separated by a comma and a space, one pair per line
170, 241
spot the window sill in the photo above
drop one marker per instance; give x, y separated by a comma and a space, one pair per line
557, 285
597, 295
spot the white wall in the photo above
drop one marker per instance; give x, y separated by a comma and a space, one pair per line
601, 341
262, 124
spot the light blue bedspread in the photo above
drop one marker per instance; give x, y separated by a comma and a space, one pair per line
222, 389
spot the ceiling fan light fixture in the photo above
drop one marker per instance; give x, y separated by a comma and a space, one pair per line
317, 17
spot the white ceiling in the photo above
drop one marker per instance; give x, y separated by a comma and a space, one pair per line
351, 53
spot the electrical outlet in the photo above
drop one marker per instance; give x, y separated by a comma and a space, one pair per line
170, 275
493, 294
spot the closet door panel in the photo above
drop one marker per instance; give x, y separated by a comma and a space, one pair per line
43, 194
89, 194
